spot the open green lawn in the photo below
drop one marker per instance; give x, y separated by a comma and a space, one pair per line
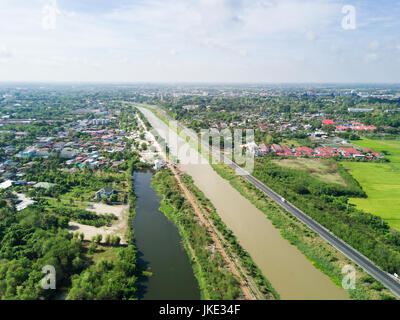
381, 181
106, 253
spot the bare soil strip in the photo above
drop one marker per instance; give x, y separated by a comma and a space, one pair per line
249, 294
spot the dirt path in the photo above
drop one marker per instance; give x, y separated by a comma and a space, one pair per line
232, 266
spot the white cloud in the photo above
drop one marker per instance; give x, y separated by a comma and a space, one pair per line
222, 40
229, 21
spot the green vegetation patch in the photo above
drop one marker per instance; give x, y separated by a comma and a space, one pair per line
322, 255
324, 170
380, 181
216, 281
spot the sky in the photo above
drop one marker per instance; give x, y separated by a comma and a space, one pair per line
230, 41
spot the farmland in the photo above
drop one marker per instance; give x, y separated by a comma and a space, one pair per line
381, 181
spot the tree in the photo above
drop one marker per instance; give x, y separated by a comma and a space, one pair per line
114, 197
92, 247
99, 237
108, 239
115, 240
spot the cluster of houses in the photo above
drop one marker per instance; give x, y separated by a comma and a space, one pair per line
319, 152
78, 151
277, 123
70, 147
91, 160
353, 126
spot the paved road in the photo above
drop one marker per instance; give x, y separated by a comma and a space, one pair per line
386, 279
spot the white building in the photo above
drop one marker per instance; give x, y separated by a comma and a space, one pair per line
158, 164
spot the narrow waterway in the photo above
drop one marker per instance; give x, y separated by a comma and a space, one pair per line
160, 248
288, 270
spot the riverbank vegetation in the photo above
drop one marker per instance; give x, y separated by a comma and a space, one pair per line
264, 286
109, 279
216, 281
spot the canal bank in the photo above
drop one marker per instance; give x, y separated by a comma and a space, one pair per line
160, 248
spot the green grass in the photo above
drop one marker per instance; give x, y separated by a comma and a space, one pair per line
391, 146
321, 169
381, 181
65, 203
107, 253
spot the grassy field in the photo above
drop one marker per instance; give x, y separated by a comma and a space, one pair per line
105, 252
381, 181
320, 169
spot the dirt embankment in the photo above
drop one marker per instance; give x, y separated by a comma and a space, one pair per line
219, 246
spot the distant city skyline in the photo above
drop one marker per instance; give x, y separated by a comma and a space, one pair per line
203, 41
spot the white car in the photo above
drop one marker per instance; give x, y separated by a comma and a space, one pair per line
283, 200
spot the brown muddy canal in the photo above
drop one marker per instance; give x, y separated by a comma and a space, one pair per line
290, 273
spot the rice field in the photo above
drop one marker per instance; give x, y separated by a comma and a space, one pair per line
381, 181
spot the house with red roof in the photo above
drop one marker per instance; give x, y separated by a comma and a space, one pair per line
328, 122
304, 151
349, 152
286, 151
263, 148
276, 148
321, 152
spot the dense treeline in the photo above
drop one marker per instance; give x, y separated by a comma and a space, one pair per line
37, 236
34, 238
30, 240
328, 205
109, 280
